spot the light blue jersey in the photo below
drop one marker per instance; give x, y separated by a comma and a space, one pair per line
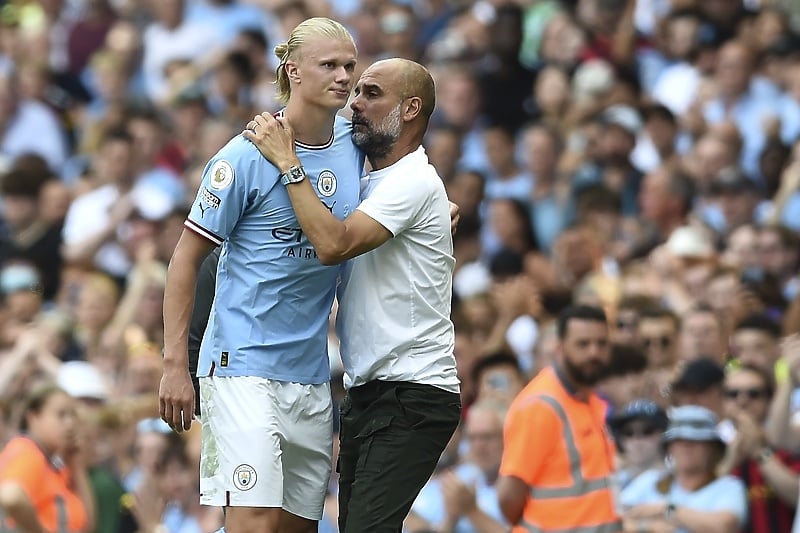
273, 296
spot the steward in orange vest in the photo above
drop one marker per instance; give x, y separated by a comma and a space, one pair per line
558, 459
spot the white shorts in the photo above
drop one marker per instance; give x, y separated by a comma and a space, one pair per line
265, 443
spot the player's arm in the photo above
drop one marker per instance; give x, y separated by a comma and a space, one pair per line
176, 395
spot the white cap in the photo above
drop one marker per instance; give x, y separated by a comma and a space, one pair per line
80, 379
152, 202
625, 117
592, 78
690, 241
473, 279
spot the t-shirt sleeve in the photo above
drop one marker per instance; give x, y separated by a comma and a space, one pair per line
395, 203
224, 191
527, 427
640, 490
25, 467
732, 497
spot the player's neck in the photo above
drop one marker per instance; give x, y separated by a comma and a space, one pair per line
312, 125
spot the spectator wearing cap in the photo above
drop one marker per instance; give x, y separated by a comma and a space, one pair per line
21, 291
699, 382
29, 237
690, 496
702, 334
638, 429
621, 125
771, 475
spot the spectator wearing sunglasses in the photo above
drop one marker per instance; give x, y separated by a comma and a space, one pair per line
772, 476
658, 335
638, 430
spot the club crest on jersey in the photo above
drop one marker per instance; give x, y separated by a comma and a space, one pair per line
326, 183
244, 477
221, 175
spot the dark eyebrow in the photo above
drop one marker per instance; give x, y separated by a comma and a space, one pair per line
371, 87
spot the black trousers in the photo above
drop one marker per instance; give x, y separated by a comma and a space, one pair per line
391, 437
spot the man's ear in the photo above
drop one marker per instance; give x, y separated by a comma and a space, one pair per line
412, 108
292, 71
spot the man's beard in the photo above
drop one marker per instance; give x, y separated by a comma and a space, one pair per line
377, 140
583, 375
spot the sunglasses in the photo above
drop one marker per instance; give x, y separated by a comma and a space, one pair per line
631, 432
750, 394
664, 342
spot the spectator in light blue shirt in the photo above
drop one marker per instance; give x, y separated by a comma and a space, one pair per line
747, 101
689, 497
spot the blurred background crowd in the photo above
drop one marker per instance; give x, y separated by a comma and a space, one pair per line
638, 155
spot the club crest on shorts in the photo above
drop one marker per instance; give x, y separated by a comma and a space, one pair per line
221, 175
244, 477
326, 183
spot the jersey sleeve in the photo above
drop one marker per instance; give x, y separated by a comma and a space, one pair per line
228, 181
396, 202
526, 445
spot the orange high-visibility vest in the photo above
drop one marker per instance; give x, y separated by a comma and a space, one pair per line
558, 445
59, 509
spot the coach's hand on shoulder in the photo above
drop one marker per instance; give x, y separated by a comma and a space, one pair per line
176, 397
274, 138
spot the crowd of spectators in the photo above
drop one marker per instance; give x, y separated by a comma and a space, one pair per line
638, 155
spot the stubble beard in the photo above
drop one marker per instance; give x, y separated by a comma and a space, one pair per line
377, 140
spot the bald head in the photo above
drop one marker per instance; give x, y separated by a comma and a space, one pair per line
411, 78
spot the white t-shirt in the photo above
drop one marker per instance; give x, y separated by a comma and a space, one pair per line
89, 214
394, 301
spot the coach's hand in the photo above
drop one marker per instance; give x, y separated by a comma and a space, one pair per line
176, 398
455, 216
274, 138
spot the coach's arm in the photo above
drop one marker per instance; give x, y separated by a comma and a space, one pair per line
335, 241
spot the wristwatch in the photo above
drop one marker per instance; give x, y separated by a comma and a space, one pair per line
669, 512
295, 174
765, 454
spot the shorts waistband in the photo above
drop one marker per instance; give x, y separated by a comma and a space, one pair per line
378, 387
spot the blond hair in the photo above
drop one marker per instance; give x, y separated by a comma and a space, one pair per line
313, 27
